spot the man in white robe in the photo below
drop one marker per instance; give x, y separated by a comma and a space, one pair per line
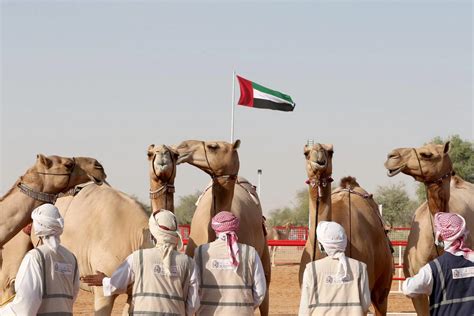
163, 279
47, 280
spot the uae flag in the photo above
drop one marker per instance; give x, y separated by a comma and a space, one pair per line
256, 96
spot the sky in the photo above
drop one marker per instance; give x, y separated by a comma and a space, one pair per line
107, 78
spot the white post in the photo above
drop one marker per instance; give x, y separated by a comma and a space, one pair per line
233, 100
259, 172
399, 269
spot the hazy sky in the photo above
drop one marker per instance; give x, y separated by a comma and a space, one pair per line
106, 79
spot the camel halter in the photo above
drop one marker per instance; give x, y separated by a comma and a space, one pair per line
427, 184
215, 178
167, 187
321, 183
43, 196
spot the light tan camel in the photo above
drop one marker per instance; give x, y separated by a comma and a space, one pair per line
11, 256
431, 165
114, 224
277, 234
162, 171
221, 161
41, 184
353, 208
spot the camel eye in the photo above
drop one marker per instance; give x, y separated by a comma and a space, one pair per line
212, 146
426, 155
69, 164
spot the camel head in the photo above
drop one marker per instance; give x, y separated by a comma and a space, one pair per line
318, 160
426, 164
217, 158
162, 161
55, 174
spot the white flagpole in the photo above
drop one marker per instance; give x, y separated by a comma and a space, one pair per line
233, 100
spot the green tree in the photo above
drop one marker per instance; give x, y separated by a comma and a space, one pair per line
398, 208
146, 206
296, 214
185, 208
462, 155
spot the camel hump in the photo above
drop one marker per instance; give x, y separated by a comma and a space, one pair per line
349, 182
250, 188
458, 182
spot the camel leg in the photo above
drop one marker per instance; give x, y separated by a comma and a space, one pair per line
379, 298
265, 306
103, 304
305, 259
421, 305
128, 305
380, 292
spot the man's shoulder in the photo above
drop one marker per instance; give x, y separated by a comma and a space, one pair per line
358, 263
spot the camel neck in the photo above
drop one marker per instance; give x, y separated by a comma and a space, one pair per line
438, 196
162, 195
222, 194
15, 211
324, 209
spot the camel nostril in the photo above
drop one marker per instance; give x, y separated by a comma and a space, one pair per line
392, 156
321, 162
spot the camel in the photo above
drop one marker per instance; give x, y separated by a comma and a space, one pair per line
228, 192
431, 165
11, 256
41, 184
353, 208
277, 234
103, 225
162, 160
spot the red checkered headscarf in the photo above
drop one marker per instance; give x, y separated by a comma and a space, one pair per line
451, 228
226, 223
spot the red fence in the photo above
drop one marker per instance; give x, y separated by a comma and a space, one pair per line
289, 251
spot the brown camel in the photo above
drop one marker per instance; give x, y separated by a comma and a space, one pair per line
432, 166
353, 208
221, 161
41, 184
277, 234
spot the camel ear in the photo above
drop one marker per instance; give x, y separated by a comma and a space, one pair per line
173, 151
329, 148
446, 147
44, 160
306, 150
150, 151
236, 144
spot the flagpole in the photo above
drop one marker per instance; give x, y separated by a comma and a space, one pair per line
233, 100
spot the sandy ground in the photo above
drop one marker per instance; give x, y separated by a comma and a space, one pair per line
284, 296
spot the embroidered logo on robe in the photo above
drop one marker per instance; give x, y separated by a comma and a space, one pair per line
158, 270
221, 264
463, 273
63, 268
335, 279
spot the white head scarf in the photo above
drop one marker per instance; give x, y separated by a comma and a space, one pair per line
48, 224
333, 238
164, 227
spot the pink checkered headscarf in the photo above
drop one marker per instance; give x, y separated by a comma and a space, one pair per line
226, 223
451, 228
